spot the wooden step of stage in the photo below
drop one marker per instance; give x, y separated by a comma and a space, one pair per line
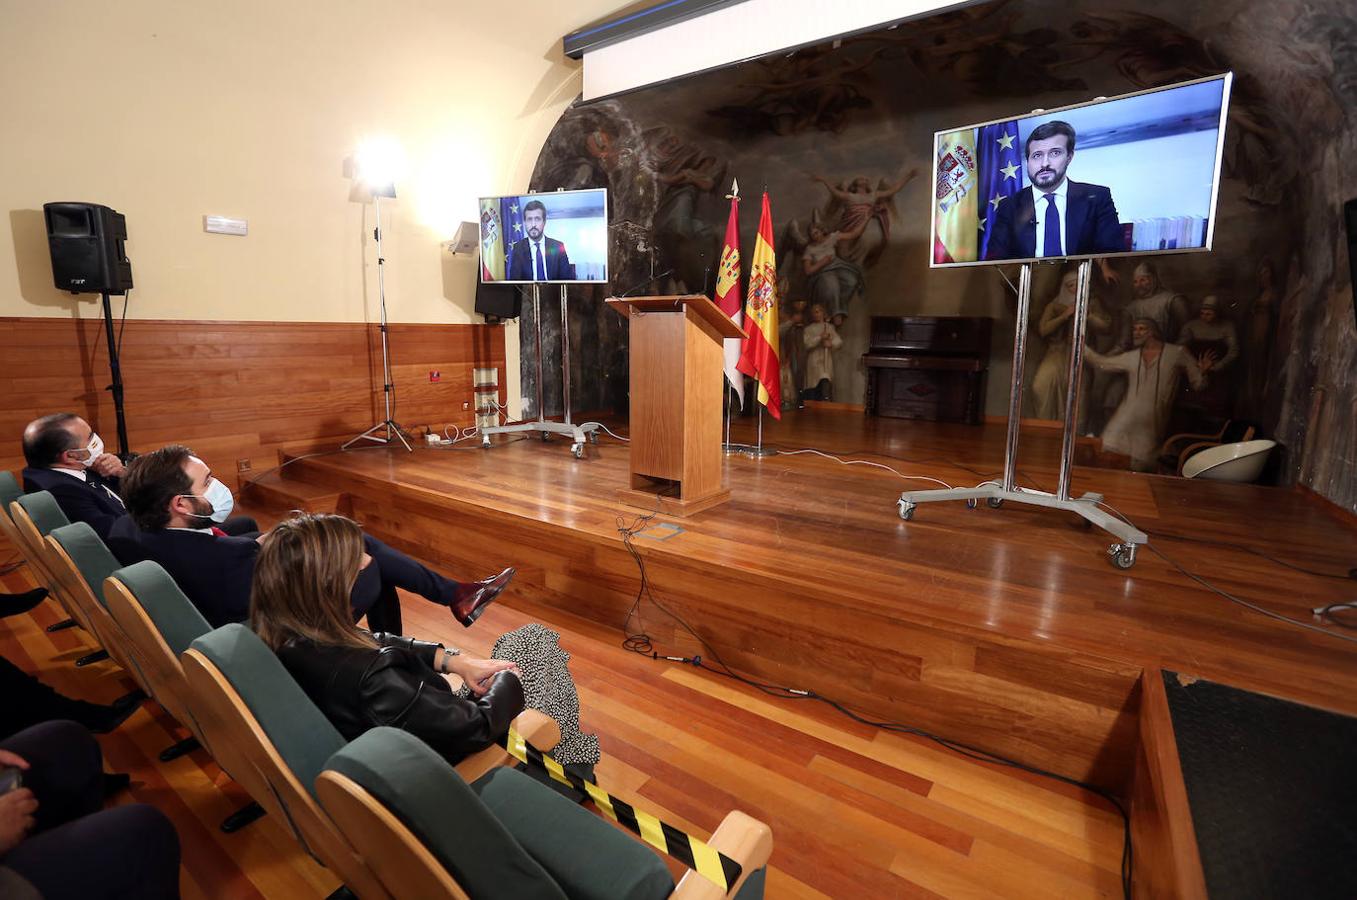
279, 494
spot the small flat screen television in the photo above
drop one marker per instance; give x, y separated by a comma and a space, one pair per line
1135, 174
559, 237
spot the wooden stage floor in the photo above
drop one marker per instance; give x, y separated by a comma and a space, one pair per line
1007, 628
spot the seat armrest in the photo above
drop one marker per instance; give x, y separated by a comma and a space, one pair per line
741, 837
537, 729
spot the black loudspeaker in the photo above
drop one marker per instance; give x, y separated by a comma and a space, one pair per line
498, 301
1350, 216
86, 241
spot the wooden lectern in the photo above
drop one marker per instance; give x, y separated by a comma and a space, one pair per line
677, 378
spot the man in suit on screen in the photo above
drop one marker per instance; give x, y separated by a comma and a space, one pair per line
1054, 216
538, 257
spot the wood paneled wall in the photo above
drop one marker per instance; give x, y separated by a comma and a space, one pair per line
238, 390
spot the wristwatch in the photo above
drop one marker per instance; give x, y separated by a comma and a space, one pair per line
448, 653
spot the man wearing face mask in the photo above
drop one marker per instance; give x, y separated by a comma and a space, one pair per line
66, 458
175, 505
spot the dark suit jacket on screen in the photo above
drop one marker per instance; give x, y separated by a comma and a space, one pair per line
81, 501
1091, 224
555, 260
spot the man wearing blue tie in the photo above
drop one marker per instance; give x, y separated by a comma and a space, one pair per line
1054, 217
538, 257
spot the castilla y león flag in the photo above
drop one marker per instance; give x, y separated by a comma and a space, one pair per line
728, 290
759, 359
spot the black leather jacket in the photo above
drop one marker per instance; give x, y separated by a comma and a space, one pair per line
397, 685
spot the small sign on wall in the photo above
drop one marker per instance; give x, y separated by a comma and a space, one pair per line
223, 225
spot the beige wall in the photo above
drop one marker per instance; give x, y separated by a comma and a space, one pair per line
168, 110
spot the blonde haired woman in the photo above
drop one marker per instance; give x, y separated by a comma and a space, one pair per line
300, 607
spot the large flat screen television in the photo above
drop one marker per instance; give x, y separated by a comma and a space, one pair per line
556, 237
1127, 175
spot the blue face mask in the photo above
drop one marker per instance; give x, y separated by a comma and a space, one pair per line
219, 495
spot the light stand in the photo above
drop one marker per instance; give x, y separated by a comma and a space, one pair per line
390, 426
1123, 554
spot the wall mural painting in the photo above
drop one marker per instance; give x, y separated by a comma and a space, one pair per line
1259, 331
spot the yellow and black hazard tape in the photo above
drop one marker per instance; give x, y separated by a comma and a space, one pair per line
696, 854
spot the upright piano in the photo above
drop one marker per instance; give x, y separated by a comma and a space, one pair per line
928, 367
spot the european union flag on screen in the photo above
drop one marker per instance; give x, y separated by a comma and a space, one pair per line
511, 214
1000, 170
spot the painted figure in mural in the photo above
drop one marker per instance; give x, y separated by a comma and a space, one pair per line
820, 339
793, 351
1051, 382
1211, 338
811, 88
686, 241
1153, 301
830, 280
1055, 216
863, 214
1154, 370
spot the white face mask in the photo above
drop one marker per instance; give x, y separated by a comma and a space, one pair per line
219, 495
95, 450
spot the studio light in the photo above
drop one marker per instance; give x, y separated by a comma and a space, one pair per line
378, 164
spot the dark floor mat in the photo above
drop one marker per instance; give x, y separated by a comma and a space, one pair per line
1273, 791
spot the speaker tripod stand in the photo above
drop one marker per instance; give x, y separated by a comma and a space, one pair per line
392, 429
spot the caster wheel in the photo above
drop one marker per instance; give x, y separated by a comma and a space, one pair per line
577, 450
593, 437
971, 503
485, 444
906, 510
1123, 555
546, 436
995, 502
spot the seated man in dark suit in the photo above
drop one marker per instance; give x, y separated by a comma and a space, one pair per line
66, 458
1055, 216
537, 257
174, 502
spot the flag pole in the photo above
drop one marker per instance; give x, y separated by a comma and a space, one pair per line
729, 448
758, 451
730, 392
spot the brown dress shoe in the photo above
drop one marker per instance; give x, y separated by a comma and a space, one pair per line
473, 597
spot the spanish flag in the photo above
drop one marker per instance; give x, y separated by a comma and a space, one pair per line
492, 242
956, 236
759, 359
